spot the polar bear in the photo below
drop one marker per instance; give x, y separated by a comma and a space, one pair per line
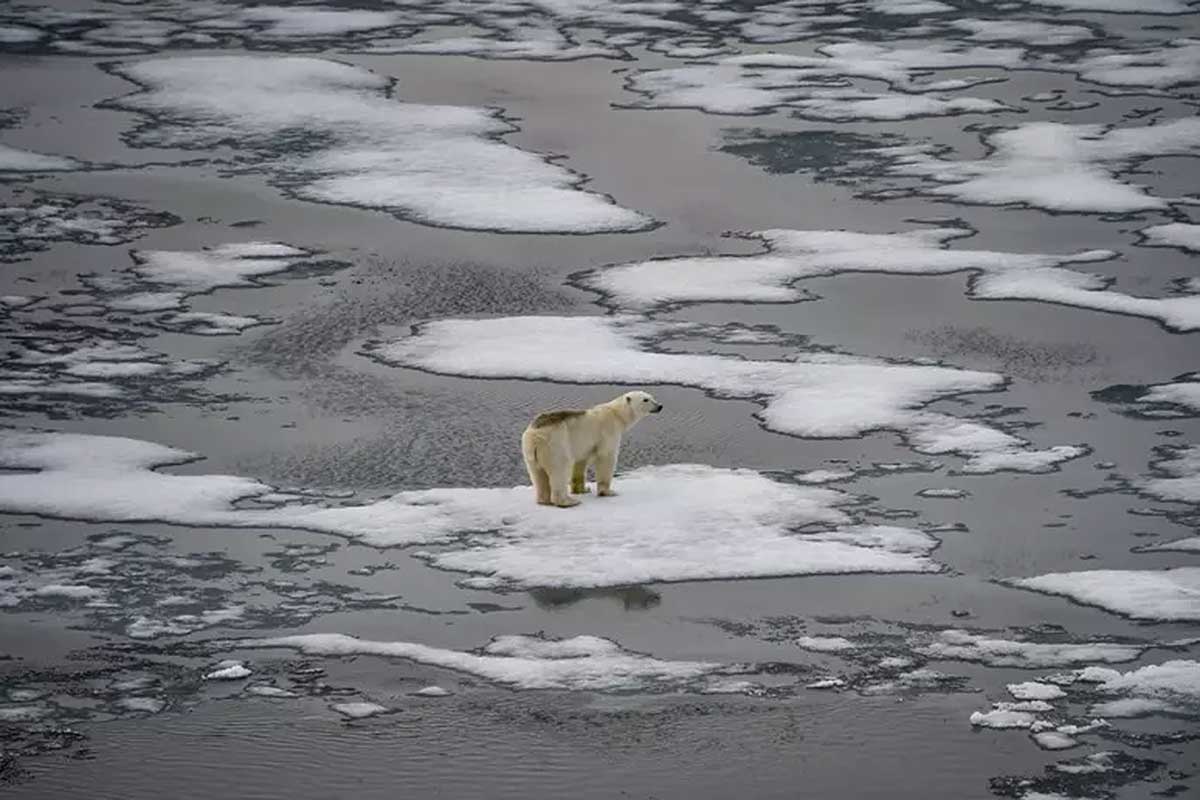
559, 445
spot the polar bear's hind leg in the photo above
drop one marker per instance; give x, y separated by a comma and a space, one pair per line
579, 477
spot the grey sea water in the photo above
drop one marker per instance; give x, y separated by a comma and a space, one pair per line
246, 251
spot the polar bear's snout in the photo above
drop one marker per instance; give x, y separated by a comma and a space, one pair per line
656, 409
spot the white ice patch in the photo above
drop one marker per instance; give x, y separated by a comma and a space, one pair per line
286, 22
794, 256
944, 493
1183, 235
432, 691
196, 272
1053, 166
676, 523
1033, 690
816, 86
143, 705
1172, 687
825, 644
1178, 476
814, 394
1029, 32
333, 133
1003, 717
360, 710
19, 34
13, 159
270, 691
1159, 67
1160, 595
68, 591
909, 7
586, 663
1120, 6
960, 645
697, 511
228, 671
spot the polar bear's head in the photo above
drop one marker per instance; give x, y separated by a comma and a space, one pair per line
641, 404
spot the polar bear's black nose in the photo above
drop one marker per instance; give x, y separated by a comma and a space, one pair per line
656, 409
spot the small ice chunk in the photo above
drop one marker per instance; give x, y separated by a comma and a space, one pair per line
1003, 718
826, 644
270, 691
1053, 740
147, 705
826, 683
433, 691
1032, 690
360, 710
15, 160
23, 713
966, 646
228, 671
69, 591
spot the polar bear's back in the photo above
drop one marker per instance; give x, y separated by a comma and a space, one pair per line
548, 418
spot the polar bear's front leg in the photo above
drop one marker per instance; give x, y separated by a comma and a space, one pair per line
606, 464
579, 478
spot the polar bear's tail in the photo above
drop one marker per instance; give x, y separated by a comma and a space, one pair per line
530, 440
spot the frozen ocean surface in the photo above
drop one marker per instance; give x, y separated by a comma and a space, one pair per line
917, 282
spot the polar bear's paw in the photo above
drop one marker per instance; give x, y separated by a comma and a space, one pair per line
566, 502
606, 493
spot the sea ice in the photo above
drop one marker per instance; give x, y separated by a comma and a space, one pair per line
812, 394
1053, 166
699, 511
1160, 595
960, 645
1032, 690
793, 255
13, 159
228, 671
1183, 235
360, 710
440, 165
586, 663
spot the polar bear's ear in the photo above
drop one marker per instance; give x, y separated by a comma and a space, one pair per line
628, 399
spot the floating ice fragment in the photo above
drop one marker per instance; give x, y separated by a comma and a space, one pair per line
228, 671
813, 394
334, 133
1161, 595
522, 662
360, 710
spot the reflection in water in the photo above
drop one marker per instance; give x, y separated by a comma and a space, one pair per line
631, 597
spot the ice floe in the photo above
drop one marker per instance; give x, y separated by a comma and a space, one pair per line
228, 671
792, 256
961, 645
334, 133
1161, 595
1053, 166
1178, 63
585, 663
746, 517
813, 394
65, 218
1037, 33
1183, 235
1032, 690
13, 159
816, 86
360, 710
1176, 475
1171, 687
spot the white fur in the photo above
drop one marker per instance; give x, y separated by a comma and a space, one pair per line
557, 455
